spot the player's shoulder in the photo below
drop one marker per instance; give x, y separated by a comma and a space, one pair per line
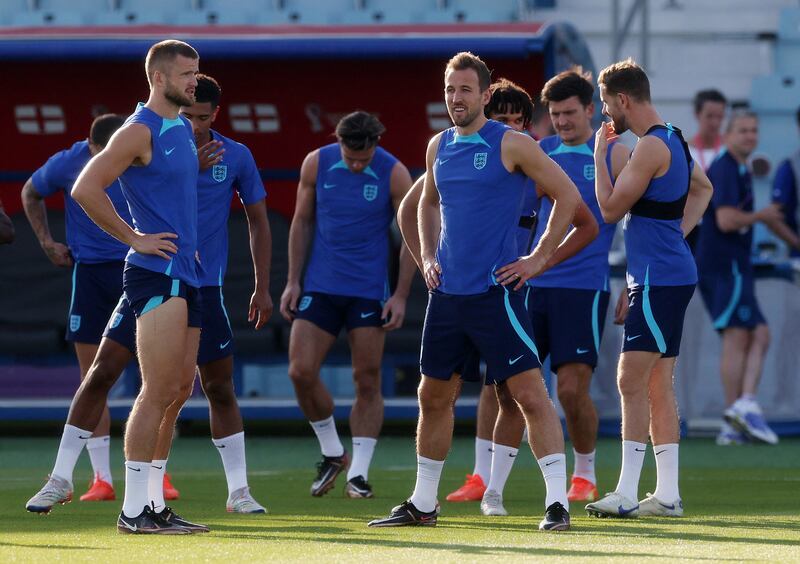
232, 147
79, 151
722, 163
550, 143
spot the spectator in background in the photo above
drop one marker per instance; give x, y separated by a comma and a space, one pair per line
784, 192
709, 111
6, 227
727, 281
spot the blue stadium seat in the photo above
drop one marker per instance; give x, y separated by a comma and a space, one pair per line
358, 17
315, 12
10, 8
47, 18
496, 11
82, 6
397, 15
446, 16
789, 25
154, 11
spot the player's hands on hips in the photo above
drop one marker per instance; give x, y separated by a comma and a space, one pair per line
520, 271
621, 311
289, 301
394, 311
604, 136
158, 244
260, 308
210, 154
432, 272
58, 253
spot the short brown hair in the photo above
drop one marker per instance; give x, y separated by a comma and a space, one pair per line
166, 52
626, 77
466, 60
103, 127
359, 130
572, 82
509, 97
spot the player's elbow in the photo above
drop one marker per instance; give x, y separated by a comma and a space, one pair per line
611, 215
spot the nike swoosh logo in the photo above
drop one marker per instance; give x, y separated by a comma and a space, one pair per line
84, 438
225, 344
169, 151
659, 452
134, 469
157, 467
639, 449
672, 507
510, 362
582, 351
551, 462
220, 446
365, 315
622, 511
632, 338
441, 162
514, 456
130, 527
328, 186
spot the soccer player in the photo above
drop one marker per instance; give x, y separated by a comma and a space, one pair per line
727, 281
155, 158
567, 303
468, 216
97, 260
347, 194
709, 111
215, 190
662, 196
6, 227
784, 192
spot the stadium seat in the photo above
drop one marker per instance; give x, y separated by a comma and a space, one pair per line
10, 8
48, 18
315, 12
397, 15
357, 17
497, 11
154, 11
82, 6
446, 16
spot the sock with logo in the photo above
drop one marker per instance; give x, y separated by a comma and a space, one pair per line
99, 448
363, 448
503, 459
327, 436
231, 450
584, 466
72, 442
156, 485
137, 477
554, 471
483, 459
667, 472
427, 488
632, 461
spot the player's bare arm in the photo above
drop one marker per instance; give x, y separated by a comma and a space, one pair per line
36, 212
407, 220
394, 310
650, 159
129, 146
700, 192
430, 221
260, 309
300, 233
521, 152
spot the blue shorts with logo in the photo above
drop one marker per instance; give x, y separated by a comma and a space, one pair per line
96, 289
567, 324
145, 290
216, 336
331, 312
730, 299
655, 319
493, 324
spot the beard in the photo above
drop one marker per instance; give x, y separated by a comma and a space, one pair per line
620, 124
464, 121
177, 97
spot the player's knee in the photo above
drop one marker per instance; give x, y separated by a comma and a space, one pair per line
631, 384
367, 384
101, 376
431, 399
219, 391
302, 374
506, 401
761, 336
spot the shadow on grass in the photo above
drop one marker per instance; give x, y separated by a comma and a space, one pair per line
50, 546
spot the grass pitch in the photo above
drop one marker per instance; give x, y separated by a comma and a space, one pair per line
741, 505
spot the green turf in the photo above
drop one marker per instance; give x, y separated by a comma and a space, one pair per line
741, 505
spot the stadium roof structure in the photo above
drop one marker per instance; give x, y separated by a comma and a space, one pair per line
559, 43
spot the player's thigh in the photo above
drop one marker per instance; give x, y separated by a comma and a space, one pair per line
308, 346
366, 349
191, 346
161, 339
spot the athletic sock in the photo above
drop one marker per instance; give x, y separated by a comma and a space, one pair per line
503, 459
328, 438
584, 466
427, 487
156, 485
632, 460
99, 448
137, 477
483, 459
231, 450
554, 471
72, 442
363, 448
667, 472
